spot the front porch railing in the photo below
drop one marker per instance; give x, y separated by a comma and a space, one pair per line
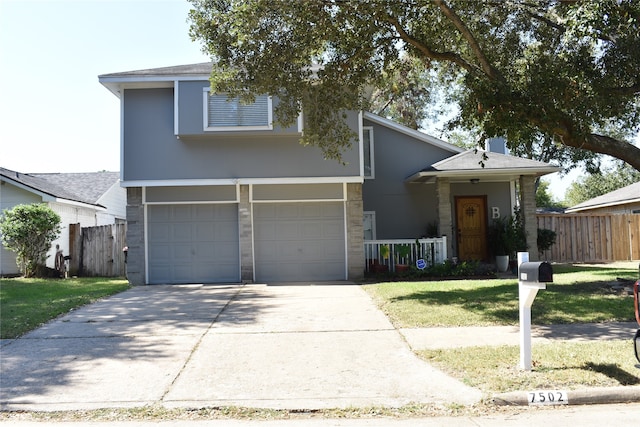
393, 255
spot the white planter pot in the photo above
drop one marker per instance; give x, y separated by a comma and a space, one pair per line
502, 263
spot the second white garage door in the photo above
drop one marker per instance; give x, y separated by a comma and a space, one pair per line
299, 241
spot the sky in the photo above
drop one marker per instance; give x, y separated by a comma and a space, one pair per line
54, 115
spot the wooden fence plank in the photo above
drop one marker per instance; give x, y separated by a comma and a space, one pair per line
102, 250
592, 238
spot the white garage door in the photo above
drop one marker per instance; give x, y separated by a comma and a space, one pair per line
193, 243
299, 241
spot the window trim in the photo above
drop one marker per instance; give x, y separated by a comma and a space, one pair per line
372, 173
205, 117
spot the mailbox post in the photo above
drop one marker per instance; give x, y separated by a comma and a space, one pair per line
532, 276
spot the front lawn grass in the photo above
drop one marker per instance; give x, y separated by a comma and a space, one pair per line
560, 366
28, 303
579, 294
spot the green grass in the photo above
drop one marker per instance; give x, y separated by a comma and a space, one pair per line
562, 365
28, 303
579, 294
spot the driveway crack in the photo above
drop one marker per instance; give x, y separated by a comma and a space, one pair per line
197, 344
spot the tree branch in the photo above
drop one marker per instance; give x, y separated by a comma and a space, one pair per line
630, 90
427, 51
486, 66
599, 144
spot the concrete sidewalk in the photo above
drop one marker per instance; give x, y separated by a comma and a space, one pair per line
441, 338
291, 347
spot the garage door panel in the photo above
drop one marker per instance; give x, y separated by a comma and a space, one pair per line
158, 214
182, 212
205, 232
181, 232
303, 241
160, 251
160, 233
193, 243
287, 211
267, 231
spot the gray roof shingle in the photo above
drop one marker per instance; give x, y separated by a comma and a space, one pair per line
203, 68
78, 187
628, 194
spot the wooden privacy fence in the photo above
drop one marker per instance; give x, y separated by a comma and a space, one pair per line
592, 238
97, 251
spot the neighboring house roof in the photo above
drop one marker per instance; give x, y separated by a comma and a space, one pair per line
621, 196
482, 165
77, 187
90, 186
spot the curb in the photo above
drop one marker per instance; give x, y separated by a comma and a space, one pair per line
590, 396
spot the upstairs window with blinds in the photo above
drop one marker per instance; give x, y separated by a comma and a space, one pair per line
223, 114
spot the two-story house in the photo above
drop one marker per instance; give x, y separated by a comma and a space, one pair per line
217, 193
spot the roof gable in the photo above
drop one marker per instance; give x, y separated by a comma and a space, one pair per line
479, 160
482, 164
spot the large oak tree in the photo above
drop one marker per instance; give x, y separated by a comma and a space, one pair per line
561, 72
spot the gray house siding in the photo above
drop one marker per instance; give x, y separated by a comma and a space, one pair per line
153, 152
402, 210
150, 149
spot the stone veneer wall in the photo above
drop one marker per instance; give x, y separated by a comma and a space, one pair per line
445, 214
528, 206
135, 237
246, 236
355, 232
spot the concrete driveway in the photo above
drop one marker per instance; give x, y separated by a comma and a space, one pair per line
294, 346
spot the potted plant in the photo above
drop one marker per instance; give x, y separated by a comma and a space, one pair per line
506, 237
501, 242
402, 252
384, 254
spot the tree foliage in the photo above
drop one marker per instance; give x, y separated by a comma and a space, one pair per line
599, 183
404, 94
558, 72
28, 230
544, 198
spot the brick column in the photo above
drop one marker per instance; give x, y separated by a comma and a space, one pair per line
445, 214
528, 210
355, 232
246, 236
135, 237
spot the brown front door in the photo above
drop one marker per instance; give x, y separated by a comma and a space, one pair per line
471, 222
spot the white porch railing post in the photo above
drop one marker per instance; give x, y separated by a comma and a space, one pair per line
432, 250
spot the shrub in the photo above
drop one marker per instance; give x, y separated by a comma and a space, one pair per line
28, 230
546, 239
